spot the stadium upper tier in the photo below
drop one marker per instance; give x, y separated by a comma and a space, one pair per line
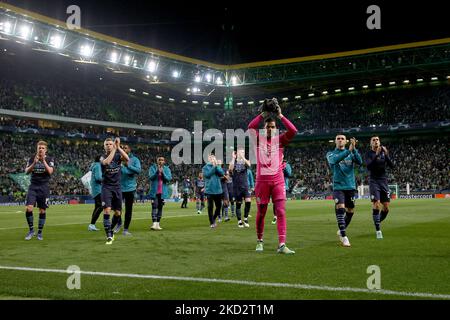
34, 81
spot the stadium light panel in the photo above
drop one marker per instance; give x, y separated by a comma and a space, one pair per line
151, 66
132, 90
261, 101
86, 50
25, 32
448, 77
36, 38
205, 103
195, 90
194, 102
219, 81
392, 83
378, 85
114, 57
56, 41
420, 80
175, 74
351, 88
310, 94
171, 99
155, 78
298, 97
285, 99
365, 86
158, 97
7, 27
234, 80
239, 104
188, 89
337, 90
197, 78
147, 76
183, 101
406, 81
145, 93
325, 92
208, 77
251, 103
216, 103
434, 78
126, 60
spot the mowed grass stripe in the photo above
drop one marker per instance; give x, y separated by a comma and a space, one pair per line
239, 282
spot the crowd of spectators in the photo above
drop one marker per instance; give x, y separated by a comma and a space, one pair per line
423, 163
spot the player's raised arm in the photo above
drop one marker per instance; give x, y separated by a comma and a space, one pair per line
387, 157
370, 159
355, 153
254, 124
122, 153
291, 129
107, 161
334, 158
166, 173
134, 166
48, 166
30, 165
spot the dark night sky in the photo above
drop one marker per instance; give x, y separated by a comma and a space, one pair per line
261, 30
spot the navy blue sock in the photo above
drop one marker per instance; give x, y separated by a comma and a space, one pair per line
115, 220
107, 225
348, 218
42, 217
238, 211
376, 218
247, 209
29, 216
340, 213
384, 214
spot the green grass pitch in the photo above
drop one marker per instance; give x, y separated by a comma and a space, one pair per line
413, 257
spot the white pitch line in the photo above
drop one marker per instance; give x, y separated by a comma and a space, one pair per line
240, 282
78, 223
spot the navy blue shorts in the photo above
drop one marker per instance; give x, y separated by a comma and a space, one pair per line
112, 198
241, 194
379, 191
347, 197
38, 196
200, 196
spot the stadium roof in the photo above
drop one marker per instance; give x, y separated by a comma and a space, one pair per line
252, 80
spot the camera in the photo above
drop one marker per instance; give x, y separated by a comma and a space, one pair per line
269, 105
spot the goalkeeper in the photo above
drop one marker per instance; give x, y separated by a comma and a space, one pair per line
269, 171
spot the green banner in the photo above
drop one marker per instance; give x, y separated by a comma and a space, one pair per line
23, 180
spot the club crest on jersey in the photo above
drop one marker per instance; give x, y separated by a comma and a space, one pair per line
336, 200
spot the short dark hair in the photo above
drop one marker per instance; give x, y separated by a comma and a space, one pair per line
269, 119
340, 134
97, 158
377, 136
